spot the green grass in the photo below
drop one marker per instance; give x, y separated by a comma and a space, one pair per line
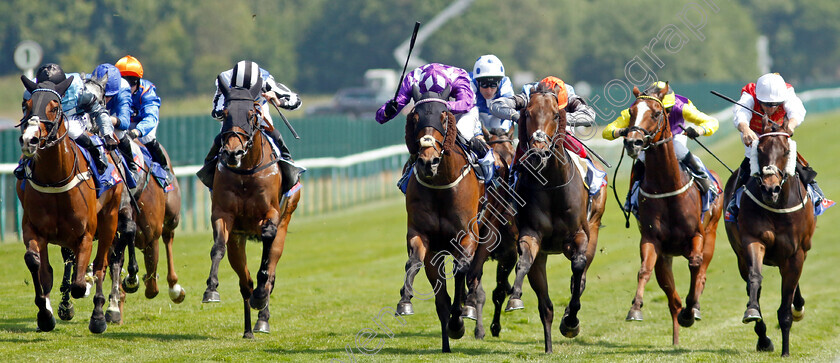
339, 270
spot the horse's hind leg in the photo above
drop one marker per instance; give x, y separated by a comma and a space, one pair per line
538, 281
127, 229
798, 305
570, 324
66, 311
507, 261
649, 256
416, 256
708, 253
665, 278
176, 293
791, 271
221, 232
151, 255
528, 248
475, 297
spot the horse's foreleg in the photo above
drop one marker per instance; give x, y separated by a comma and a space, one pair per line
695, 264
37, 261
798, 305
127, 229
537, 279
151, 254
416, 256
665, 278
456, 321
708, 253
443, 305
176, 292
506, 263
649, 255
273, 239
66, 311
569, 324
791, 271
221, 232
239, 263
528, 250
754, 261
107, 221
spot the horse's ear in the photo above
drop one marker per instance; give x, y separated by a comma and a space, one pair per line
415, 92
28, 84
636, 91
256, 88
664, 91
446, 91
64, 85
223, 87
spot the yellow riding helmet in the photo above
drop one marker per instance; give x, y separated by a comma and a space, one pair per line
130, 66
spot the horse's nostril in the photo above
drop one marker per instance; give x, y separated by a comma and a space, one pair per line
33, 141
638, 143
436, 160
777, 189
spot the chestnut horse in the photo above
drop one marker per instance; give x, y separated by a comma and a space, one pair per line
774, 227
558, 216
670, 219
442, 205
60, 204
156, 214
246, 204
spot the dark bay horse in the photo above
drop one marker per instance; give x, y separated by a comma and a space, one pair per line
774, 227
60, 204
558, 215
158, 215
670, 219
246, 204
442, 204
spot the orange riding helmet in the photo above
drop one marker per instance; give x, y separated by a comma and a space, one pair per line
130, 66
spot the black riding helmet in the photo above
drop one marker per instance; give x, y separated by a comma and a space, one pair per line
50, 72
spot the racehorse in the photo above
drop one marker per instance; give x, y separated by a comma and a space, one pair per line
442, 204
154, 213
246, 204
670, 219
60, 205
774, 227
499, 226
558, 215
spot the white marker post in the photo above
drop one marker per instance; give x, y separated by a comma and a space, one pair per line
28, 55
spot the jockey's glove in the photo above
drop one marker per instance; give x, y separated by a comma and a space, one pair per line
391, 109
692, 132
134, 133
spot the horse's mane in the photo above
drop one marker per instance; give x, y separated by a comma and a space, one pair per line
410, 142
451, 131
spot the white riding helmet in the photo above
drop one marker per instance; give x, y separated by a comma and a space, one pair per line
771, 88
488, 66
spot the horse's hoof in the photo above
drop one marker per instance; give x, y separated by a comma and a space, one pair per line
458, 331
248, 335
151, 293
211, 296
405, 308
751, 315
798, 315
634, 315
697, 315
495, 329
257, 304
66, 311
469, 312
261, 327
764, 345
685, 318
113, 315
97, 326
177, 294
46, 321
131, 284
514, 304
569, 331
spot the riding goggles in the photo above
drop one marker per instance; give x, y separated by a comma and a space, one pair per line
488, 83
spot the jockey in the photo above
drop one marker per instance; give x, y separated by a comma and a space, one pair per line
244, 74
489, 83
118, 104
79, 106
435, 77
578, 113
777, 100
145, 110
679, 110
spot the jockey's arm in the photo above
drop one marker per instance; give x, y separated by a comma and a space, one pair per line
795, 111
742, 117
121, 114
611, 131
280, 95
507, 108
706, 125
149, 111
579, 113
463, 94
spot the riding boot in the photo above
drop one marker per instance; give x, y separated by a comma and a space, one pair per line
98, 157
486, 162
208, 171
290, 171
699, 172
278, 140
636, 175
125, 149
743, 175
157, 153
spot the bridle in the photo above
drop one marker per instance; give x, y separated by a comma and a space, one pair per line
246, 139
650, 137
551, 141
429, 140
52, 138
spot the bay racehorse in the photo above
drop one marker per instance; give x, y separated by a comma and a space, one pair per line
670, 217
558, 216
60, 204
774, 227
154, 213
442, 202
498, 235
246, 204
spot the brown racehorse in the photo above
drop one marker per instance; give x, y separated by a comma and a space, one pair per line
670, 218
498, 228
558, 215
246, 204
442, 204
60, 205
158, 215
774, 227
